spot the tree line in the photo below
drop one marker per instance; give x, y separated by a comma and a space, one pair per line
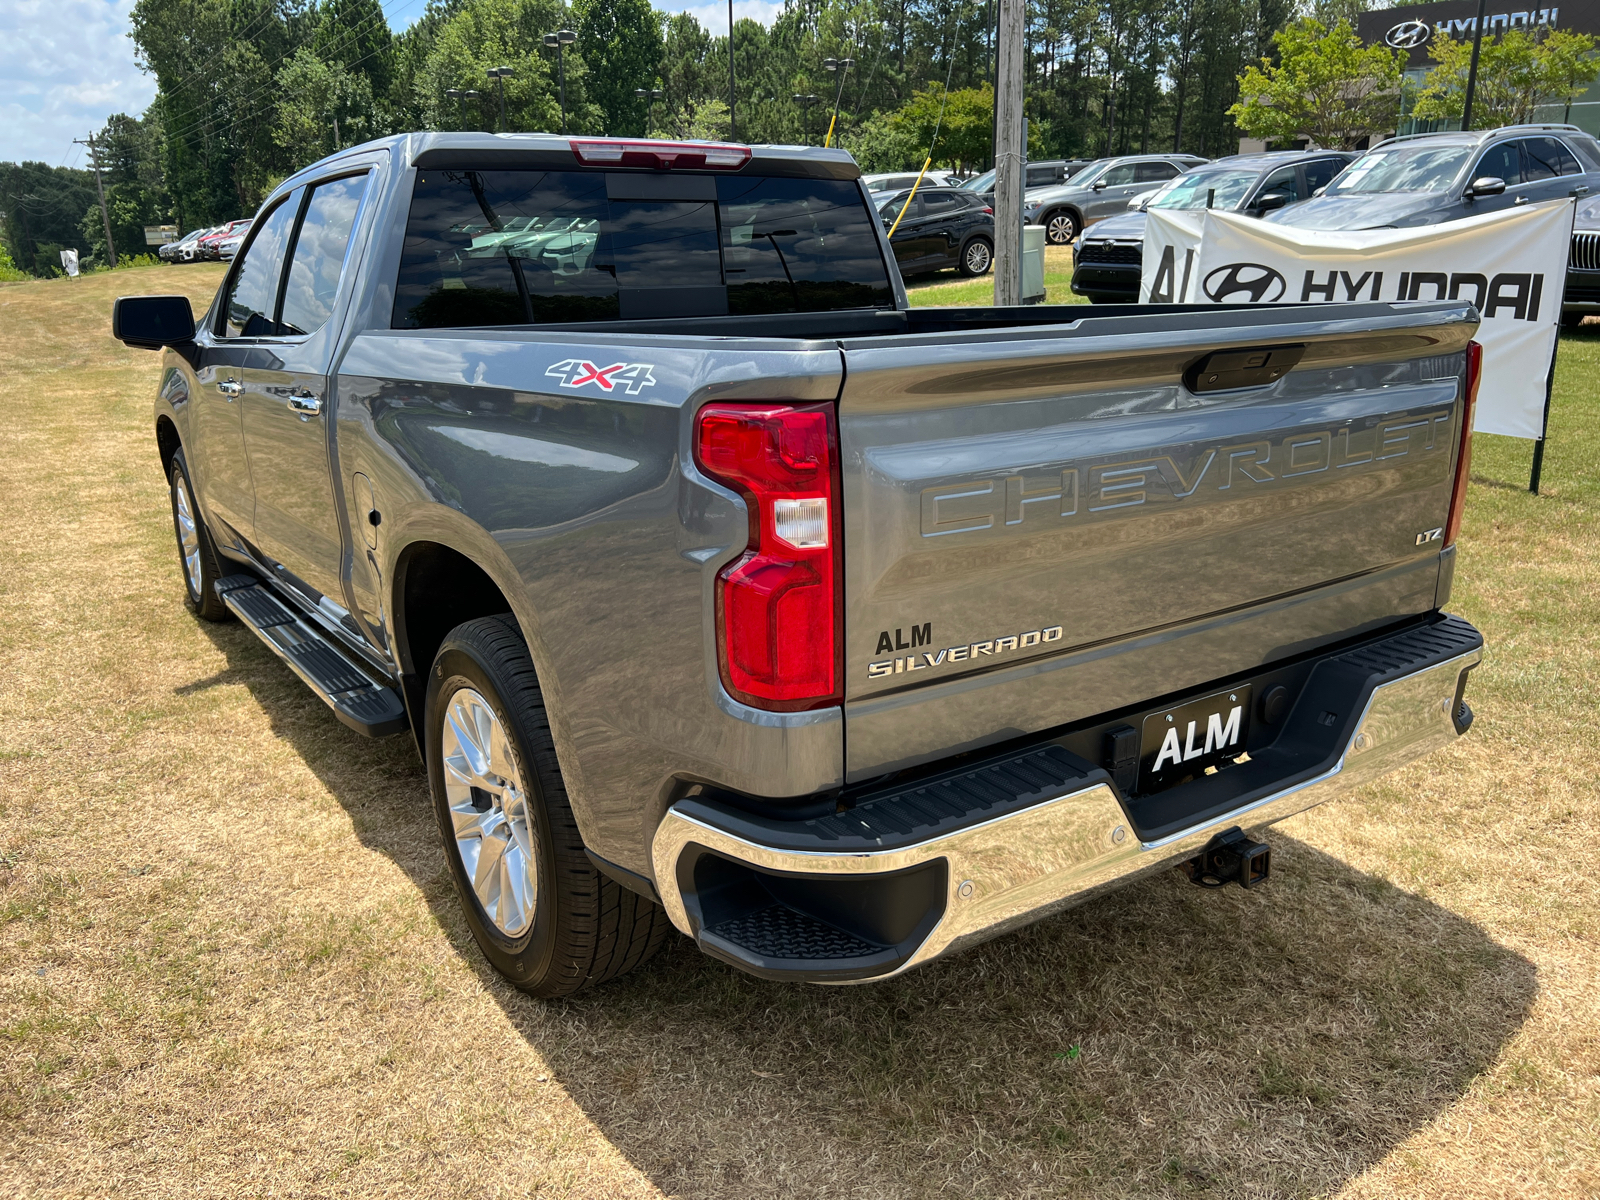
249, 91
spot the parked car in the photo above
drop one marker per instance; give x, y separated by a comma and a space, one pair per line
189, 248
1042, 174
1108, 259
895, 180
210, 246
1100, 191
944, 227
1582, 296
228, 244
1432, 177
172, 251
722, 590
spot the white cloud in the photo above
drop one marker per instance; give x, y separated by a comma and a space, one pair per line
67, 66
714, 16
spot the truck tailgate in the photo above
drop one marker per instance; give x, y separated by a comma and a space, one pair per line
1047, 524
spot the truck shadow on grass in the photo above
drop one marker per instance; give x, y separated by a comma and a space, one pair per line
1162, 1040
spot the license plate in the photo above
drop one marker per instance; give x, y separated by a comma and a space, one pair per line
1182, 742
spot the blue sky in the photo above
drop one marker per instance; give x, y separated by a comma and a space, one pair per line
68, 65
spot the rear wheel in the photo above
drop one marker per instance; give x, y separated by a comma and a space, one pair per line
1061, 227
197, 556
543, 916
977, 257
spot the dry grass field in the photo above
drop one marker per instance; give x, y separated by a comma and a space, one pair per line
231, 964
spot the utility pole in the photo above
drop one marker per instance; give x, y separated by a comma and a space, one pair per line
1472, 70
733, 135
1008, 152
94, 157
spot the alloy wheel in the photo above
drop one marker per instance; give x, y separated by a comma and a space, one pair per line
188, 531
490, 813
978, 256
1061, 228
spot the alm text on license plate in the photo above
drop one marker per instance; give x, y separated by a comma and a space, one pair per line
1180, 743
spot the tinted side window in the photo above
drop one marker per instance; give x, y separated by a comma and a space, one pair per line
515, 247
1154, 171
1118, 176
1501, 161
1546, 158
318, 258
251, 307
1043, 176
938, 202
1321, 172
1281, 180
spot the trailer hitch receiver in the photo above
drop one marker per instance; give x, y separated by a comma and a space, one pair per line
1230, 857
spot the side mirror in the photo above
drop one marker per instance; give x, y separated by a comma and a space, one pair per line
151, 322
1271, 200
1486, 185
1099, 185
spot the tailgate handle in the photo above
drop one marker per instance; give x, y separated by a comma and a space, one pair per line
1256, 366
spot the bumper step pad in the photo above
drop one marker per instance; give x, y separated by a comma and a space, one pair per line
367, 707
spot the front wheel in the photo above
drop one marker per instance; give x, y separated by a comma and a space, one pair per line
977, 257
543, 916
1060, 228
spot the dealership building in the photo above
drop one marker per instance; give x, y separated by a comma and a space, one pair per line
1412, 29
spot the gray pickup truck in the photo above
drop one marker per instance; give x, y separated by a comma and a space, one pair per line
722, 590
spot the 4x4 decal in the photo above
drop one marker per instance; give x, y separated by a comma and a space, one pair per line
578, 372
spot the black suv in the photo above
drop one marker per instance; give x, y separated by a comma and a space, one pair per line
943, 227
1108, 259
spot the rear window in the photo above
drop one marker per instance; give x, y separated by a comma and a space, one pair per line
538, 247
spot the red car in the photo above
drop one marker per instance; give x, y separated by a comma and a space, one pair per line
209, 246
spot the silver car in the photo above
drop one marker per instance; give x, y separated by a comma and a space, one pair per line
1100, 191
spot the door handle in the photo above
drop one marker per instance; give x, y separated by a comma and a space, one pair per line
1581, 190
1519, 200
305, 403
230, 388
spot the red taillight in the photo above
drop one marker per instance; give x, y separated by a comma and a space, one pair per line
778, 604
608, 152
988, 210
1458, 497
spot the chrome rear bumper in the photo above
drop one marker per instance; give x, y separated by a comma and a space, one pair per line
1006, 872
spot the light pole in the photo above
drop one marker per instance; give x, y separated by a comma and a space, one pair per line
650, 95
842, 66
500, 75
805, 102
1472, 69
558, 40
458, 96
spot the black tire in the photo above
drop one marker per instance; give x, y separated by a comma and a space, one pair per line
197, 564
1572, 320
1061, 226
981, 250
585, 928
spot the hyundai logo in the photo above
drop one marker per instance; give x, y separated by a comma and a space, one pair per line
1257, 283
1408, 35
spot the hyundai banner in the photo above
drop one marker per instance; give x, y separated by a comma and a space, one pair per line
1510, 264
